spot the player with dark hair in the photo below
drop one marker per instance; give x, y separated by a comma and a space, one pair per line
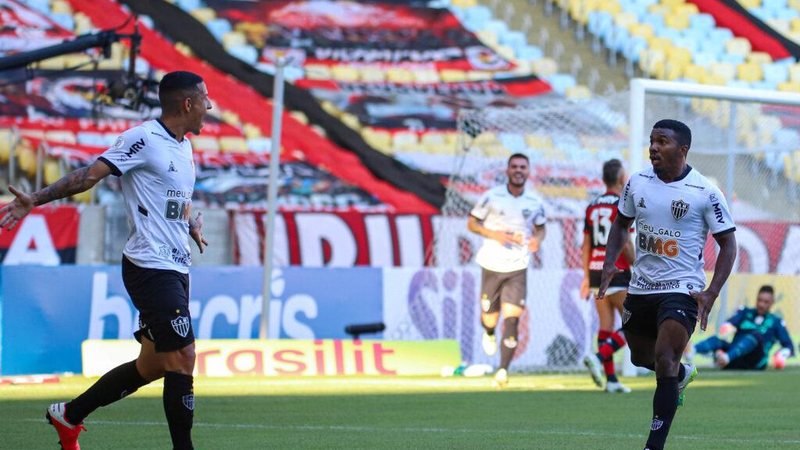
511, 220
155, 163
757, 330
673, 207
600, 214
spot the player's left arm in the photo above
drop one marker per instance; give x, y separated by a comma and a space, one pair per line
784, 338
722, 269
539, 232
196, 231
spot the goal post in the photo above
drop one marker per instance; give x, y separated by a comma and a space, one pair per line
744, 140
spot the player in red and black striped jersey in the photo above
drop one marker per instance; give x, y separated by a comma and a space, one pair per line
600, 214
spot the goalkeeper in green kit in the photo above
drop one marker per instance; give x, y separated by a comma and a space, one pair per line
757, 331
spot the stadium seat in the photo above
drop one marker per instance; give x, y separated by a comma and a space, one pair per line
380, 140
560, 83
758, 58
775, 73
51, 172
233, 39
749, 72
206, 144
317, 72
405, 141
424, 76
343, 72
371, 74
63, 136
399, 75
218, 27
351, 121
246, 53
203, 15
738, 46
452, 75
259, 144
726, 71
233, 144
544, 67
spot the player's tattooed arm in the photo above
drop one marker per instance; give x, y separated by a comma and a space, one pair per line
75, 182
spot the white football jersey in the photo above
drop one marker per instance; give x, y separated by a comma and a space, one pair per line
672, 223
157, 177
501, 211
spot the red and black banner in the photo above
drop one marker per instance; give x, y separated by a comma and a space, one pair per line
47, 236
763, 38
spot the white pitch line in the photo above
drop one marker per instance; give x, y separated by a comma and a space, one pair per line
354, 428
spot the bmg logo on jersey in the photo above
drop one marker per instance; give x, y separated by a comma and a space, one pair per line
658, 241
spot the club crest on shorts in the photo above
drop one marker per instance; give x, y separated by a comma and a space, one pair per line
626, 316
181, 325
679, 209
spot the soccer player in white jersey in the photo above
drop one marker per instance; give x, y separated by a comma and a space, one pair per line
673, 207
155, 163
511, 220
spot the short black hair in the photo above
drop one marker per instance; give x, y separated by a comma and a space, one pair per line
611, 170
518, 155
767, 288
177, 85
682, 132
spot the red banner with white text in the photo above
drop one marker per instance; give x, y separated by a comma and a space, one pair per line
331, 239
47, 236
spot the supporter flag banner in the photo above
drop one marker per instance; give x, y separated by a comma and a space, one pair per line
321, 357
347, 32
23, 29
47, 236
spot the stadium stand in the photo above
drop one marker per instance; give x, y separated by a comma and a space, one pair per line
232, 135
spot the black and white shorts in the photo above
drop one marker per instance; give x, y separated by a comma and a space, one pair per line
506, 287
162, 298
643, 314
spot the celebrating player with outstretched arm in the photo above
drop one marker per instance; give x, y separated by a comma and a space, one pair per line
673, 207
156, 167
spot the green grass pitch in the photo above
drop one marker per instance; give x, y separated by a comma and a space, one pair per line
723, 410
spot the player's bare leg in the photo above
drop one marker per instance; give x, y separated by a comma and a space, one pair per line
609, 340
489, 322
511, 315
672, 339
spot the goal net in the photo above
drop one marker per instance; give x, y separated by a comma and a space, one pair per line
745, 141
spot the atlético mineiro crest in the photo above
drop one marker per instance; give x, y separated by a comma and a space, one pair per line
181, 325
188, 401
657, 424
679, 209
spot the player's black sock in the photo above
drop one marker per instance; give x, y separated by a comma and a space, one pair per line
179, 408
612, 378
117, 383
681, 372
509, 344
665, 402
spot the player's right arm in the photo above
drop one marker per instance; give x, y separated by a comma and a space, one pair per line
617, 239
586, 249
75, 182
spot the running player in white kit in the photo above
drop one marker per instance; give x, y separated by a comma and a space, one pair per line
673, 207
155, 163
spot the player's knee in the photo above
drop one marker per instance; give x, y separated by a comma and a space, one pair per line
667, 364
181, 361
